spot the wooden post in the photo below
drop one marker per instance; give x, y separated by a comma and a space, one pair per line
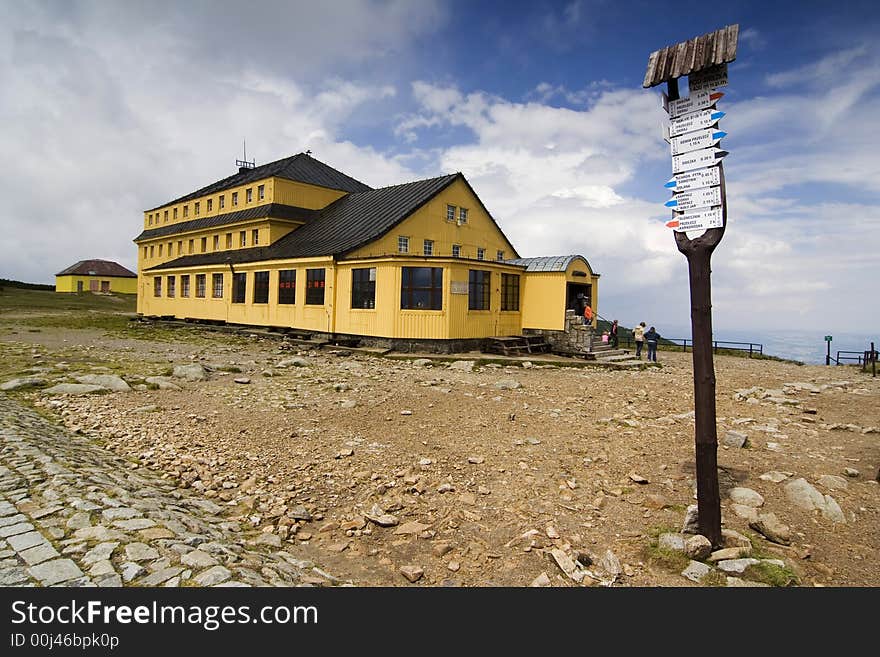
698, 252
873, 361
828, 352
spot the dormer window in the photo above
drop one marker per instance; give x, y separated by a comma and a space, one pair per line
196, 208
249, 195
185, 211
210, 203
261, 192
222, 201
234, 199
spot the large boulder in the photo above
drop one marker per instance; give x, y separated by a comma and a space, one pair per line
74, 389
802, 494
191, 372
27, 382
162, 382
464, 365
109, 381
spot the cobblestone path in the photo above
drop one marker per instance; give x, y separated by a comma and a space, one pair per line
74, 514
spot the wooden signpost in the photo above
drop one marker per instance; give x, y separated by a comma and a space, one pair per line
698, 177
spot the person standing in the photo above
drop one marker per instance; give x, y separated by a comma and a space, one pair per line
639, 337
652, 338
588, 314
614, 334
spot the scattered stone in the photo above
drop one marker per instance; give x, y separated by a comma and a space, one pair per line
412, 573
131, 570
732, 538
441, 548
191, 372
735, 439
412, 527
637, 478
696, 571
670, 541
73, 389
851, 472
38, 554
552, 532
475, 460
833, 482
726, 554
540, 581
198, 559
109, 381
736, 565
698, 547
454, 566
26, 540
768, 525
802, 494
213, 576
406, 412
508, 384
299, 512
423, 362
242, 380
464, 365
610, 564
56, 571
140, 552
101, 552
655, 501
18, 384
379, 517
691, 523
747, 513
746, 497
774, 476
293, 362
566, 563
161, 382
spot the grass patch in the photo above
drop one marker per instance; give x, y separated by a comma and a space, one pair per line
669, 559
230, 368
714, 578
18, 299
770, 573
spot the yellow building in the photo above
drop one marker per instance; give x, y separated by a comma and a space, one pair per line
102, 276
298, 244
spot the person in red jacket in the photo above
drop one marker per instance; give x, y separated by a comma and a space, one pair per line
588, 314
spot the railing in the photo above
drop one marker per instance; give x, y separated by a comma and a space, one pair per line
752, 348
863, 358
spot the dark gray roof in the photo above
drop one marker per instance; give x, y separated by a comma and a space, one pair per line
274, 210
548, 263
341, 227
299, 167
97, 268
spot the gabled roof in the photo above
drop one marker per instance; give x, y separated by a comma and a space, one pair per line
274, 210
548, 263
97, 268
300, 167
343, 226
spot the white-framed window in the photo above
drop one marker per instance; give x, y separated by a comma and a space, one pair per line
166, 216
255, 237
175, 214
499, 255
210, 203
160, 250
450, 213
234, 198
196, 206
456, 250
185, 211
151, 220
249, 195
402, 244
481, 254
228, 240
242, 238
261, 192
221, 201
192, 248
462, 215
428, 248
216, 242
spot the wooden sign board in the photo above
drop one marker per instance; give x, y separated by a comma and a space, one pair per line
697, 159
699, 100
698, 198
710, 78
700, 220
694, 121
694, 141
694, 179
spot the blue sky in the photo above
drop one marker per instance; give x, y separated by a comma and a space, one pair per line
111, 108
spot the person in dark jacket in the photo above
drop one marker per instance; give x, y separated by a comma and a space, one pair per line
651, 338
614, 334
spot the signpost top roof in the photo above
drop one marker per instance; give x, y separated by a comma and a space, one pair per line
700, 53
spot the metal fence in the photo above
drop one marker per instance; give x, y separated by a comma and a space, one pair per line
752, 348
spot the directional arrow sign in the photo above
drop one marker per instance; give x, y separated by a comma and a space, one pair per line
697, 159
694, 179
700, 220
694, 121
696, 101
708, 79
699, 198
694, 141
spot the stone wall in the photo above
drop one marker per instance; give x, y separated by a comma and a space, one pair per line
576, 338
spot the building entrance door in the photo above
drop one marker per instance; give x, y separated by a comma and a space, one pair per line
93, 286
79, 286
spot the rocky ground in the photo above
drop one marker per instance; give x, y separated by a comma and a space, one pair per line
429, 472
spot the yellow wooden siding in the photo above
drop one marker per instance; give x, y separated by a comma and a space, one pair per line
543, 300
159, 215
118, 284
429, 222
303, 195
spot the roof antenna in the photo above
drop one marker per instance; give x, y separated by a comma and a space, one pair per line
244, 165
308, 151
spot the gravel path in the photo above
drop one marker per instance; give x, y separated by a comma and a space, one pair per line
75, 514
